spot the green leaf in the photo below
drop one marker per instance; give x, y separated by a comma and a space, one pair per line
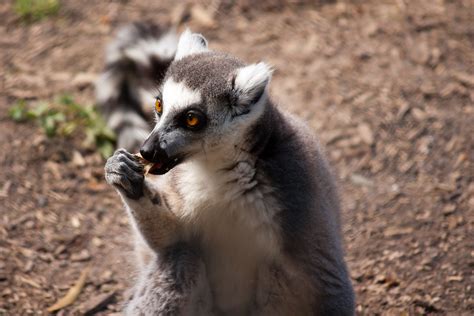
65, 117
38, 111
18, 111
68, 128
49, 126
106, 149
66, 99
58, 117
36, 9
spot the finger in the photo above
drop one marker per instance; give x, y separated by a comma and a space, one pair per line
130, 173
130, 162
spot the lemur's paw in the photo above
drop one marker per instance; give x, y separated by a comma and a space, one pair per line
125, 173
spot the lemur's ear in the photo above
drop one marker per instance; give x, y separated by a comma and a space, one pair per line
190, 43
249, 83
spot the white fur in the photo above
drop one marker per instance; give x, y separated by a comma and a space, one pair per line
141, 51
190, 43
107, 87
118, 118
252, 77
164, 48
177, 95
237, 230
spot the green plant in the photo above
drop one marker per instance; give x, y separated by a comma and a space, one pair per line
36, 9
64, 117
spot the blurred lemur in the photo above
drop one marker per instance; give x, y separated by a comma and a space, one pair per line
239, 213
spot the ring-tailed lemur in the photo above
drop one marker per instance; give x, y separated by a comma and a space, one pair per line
136, 62
239, 214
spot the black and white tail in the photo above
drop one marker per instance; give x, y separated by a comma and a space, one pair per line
136, 62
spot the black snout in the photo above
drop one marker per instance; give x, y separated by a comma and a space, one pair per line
157, 151
152, 151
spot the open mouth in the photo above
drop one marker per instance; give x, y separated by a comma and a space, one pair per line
160, 168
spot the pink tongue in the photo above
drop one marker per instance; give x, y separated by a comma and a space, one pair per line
156, 166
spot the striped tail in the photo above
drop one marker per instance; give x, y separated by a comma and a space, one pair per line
136, 62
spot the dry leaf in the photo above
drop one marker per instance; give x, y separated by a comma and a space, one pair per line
72, 294
77, 159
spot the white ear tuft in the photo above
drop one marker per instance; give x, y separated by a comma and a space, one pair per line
190, 43
250, 82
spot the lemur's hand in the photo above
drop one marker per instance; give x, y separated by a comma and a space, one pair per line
125, 173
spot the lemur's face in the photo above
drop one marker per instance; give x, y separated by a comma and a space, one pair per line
205, 107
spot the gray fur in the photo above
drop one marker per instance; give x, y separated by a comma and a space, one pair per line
309, 219
290, 248
210, 73
180, 288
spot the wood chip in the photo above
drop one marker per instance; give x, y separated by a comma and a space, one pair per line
397, 231
84, 255
5, 188
365, 133
29, 281
455, 278
84, 79
464, 78
449, 209
361, 180
98, 303
419, 114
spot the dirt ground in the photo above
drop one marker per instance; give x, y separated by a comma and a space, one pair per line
387, 85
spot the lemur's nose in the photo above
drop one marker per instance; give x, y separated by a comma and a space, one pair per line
153, 152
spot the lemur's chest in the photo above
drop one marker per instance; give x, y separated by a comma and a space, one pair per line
232, 215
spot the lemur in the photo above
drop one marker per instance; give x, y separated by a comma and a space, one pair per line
239, 213
136, 62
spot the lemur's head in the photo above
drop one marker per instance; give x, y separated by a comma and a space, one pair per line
207, 104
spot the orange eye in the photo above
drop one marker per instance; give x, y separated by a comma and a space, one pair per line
158, 106
192, 120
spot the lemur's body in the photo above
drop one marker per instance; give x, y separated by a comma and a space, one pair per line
246, 220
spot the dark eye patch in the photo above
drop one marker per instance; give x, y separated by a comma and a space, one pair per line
159, 94
158, 103
182, 117
193, 120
